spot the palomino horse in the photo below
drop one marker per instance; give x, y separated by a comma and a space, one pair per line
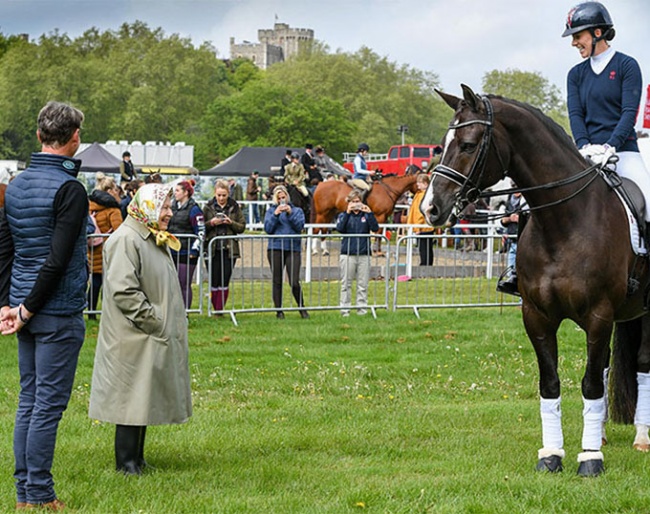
574, 261
330, 198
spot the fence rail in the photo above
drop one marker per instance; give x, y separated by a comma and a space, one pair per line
461, 275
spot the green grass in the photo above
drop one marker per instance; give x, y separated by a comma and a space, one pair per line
333, 415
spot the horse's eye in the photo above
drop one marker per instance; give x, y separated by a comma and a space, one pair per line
468, 147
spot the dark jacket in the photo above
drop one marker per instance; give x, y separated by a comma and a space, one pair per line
356, 223
187, 219
40, 201
238, 225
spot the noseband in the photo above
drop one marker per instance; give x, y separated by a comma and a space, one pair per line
469, 191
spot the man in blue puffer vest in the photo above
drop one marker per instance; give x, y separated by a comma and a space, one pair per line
43, 277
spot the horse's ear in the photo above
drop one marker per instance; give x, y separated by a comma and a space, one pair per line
471, 99
450, 100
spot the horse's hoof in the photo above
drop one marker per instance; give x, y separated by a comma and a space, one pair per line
591, 468
326, 252
645, 448
550, 464
591, 464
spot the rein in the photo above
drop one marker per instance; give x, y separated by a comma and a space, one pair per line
470, 192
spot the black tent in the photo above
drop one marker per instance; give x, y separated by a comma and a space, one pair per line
266, 160
95, 158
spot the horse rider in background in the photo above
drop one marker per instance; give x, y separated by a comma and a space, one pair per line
361, 172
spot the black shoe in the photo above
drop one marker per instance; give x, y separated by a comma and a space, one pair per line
509, 286
279, 315
304, 314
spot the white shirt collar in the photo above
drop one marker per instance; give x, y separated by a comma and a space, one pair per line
600, 61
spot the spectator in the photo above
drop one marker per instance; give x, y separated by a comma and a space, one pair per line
321, 162
355, 252
313, 176
415, 217
513, 222
129, 192
285, 160
235, 190
105, 208
141, 371
284, 218
187, 219
253, 190
223, 217
127, 170
43, 278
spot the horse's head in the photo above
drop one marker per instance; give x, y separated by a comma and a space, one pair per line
470, 160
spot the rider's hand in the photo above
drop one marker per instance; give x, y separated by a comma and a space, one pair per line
598, 154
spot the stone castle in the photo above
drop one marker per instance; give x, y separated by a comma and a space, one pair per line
275, 45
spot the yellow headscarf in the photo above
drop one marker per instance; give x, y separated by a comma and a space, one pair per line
146, 207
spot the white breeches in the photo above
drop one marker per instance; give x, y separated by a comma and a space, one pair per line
630, 165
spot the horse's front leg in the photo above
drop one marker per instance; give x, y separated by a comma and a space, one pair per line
542, 333
594, 395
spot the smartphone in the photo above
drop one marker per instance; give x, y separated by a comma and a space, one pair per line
283, 202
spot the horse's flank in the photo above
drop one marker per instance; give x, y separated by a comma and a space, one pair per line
330, 197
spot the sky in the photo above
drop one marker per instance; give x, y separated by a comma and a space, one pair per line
459, 40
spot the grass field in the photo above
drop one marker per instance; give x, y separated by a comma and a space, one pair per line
333, 415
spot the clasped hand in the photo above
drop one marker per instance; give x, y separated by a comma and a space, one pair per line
598, 154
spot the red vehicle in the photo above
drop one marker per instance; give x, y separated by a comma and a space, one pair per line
398, 158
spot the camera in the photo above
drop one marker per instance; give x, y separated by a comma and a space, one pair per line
220, 216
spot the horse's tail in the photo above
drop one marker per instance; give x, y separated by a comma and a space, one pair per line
622, 376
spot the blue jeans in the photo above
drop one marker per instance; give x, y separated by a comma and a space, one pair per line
48, 349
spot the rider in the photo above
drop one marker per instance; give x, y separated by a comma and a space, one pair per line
361, 171
294, 179
603, 96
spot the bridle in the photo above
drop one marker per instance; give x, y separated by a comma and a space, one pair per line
469, 191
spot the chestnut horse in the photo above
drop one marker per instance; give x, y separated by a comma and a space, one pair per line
330, 198
574, 261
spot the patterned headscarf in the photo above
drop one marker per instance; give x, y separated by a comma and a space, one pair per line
146, 207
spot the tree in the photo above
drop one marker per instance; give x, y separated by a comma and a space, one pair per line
531, 88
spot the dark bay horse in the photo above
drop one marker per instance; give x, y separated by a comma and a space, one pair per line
574, 261
330, 198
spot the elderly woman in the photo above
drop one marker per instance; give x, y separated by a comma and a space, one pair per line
141, 374
186, 220
223, 217
284, 218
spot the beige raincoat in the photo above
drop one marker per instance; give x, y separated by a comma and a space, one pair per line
141, 373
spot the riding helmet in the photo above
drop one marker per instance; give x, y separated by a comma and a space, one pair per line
589, 15
295, 155
363, 147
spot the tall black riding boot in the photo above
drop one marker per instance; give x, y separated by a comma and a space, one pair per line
127, 446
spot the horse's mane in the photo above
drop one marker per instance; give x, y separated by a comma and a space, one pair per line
550, 125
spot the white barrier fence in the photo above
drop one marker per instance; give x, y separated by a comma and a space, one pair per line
463, 273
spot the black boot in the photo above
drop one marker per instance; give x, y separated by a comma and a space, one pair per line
509, 285
141, 462
127, 449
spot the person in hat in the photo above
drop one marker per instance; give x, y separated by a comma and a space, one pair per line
309, 163
362, 174
127, 171
603, 96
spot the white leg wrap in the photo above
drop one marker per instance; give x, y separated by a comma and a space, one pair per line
551, 412
593, 415
606, 384
642, 415
585, 456
641, 440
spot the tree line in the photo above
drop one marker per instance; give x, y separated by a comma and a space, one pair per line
138, 83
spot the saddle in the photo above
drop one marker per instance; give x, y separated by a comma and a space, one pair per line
633, 199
